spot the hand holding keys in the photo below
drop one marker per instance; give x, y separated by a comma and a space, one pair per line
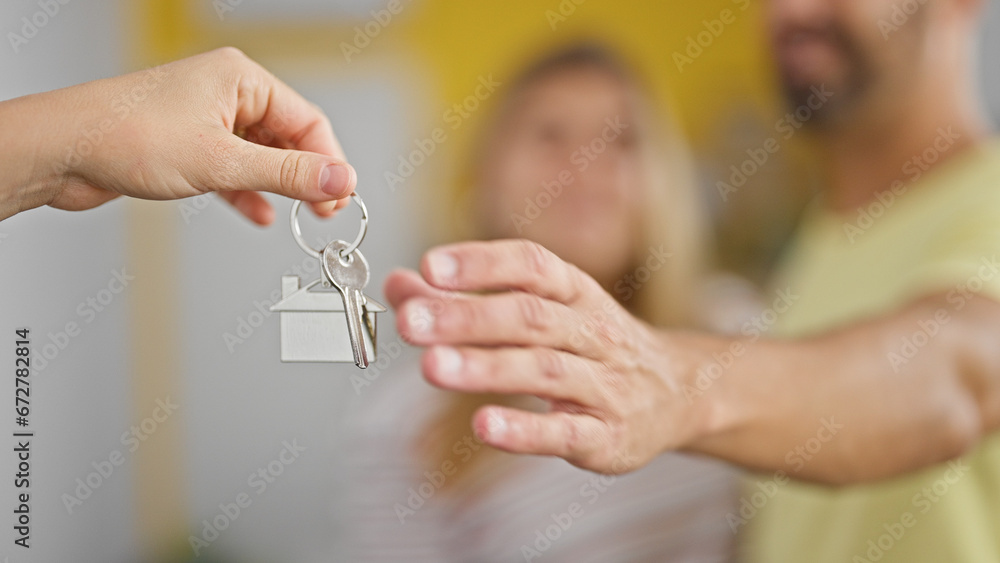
325, 326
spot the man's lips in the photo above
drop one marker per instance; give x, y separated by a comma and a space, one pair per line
806, 54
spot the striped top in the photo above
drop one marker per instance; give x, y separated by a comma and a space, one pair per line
521, 508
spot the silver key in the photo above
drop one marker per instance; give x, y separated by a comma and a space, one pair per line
349, 274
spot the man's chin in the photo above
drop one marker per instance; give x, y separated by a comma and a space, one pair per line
812, 102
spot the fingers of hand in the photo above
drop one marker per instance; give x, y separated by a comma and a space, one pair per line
501, 319
235, 164
326, 208
508, 264
401, 285
294, 149
276, 111
542, 372
575, 437
252, 205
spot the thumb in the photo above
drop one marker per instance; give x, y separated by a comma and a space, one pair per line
296, 174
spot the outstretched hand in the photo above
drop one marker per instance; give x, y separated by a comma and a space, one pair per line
215, 122
510, 317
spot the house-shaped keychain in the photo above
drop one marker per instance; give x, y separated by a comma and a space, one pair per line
314, 324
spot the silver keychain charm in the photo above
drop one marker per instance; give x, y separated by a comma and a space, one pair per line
337, 325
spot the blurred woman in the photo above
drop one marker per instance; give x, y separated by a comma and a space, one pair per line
575, 161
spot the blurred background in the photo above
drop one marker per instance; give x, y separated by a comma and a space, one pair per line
158, 391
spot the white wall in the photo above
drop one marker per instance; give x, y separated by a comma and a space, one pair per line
51, 262
989, 60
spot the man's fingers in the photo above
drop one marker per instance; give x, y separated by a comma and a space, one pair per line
295, 152
402, 285
252, 205
501, 319
542, 372
277, 111
574, 437
328, 208
255, 207
232, 164
509, 264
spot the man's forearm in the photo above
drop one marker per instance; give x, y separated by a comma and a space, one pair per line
853, 405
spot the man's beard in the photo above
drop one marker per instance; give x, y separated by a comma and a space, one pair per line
849, 91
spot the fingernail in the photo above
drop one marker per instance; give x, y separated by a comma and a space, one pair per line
449, 364
335, 179
420, 319
443, 266
496, 426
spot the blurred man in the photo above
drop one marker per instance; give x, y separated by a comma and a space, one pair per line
887, 381
909, 209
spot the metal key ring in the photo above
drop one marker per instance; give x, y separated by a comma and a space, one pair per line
297, 231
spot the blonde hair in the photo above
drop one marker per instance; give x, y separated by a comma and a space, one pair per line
671, 219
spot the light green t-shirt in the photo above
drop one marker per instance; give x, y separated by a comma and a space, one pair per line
939, 232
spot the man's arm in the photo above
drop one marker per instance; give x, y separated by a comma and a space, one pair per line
875, 399
837, 408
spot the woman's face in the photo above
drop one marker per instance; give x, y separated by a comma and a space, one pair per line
563, 170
